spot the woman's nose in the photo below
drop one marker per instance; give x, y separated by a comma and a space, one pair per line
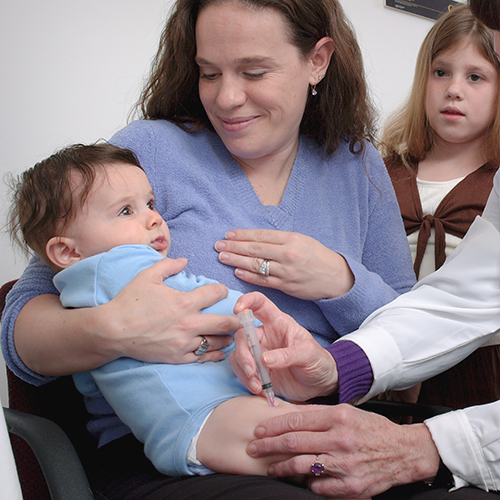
230, 93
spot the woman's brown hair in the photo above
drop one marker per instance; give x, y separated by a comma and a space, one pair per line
342, 109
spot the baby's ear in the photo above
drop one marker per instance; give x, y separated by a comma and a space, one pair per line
62, 251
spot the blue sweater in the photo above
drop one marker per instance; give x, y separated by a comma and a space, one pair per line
164, 405
345, 201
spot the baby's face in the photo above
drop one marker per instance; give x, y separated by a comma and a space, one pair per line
119, 210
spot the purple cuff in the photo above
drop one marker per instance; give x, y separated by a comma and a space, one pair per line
354, 369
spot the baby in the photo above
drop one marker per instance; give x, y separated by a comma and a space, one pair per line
89, 212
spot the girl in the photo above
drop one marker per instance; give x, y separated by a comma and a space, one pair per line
442, 147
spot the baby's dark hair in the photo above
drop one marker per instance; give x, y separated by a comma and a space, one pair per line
45, 198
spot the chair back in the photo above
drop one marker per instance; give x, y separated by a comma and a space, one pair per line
58, 401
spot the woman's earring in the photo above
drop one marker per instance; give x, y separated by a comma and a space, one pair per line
313, 88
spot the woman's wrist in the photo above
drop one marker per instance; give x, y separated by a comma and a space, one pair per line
340, 278
105, 330
421, 456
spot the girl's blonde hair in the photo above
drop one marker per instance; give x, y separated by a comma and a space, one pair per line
407, 133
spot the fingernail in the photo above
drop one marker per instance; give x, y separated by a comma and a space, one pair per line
251, 449
270, 358
248, 370
230, 235
223, 257
219, 245
238, 273
259, 432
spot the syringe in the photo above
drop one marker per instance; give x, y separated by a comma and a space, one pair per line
247, 320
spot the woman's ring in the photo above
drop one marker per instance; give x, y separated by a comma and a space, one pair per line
264, 268
317, 468
203, 347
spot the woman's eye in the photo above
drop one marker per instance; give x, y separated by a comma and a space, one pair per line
255, 76
126, 211
209, 76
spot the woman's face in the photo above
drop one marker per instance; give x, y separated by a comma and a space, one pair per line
253, 84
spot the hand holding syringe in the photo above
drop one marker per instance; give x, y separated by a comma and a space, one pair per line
247, 320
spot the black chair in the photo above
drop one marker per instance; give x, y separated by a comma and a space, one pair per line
59, 462
47, 424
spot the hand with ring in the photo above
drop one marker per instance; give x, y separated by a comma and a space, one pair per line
291, 262
264, 267
165, 327
346, 452
203, 347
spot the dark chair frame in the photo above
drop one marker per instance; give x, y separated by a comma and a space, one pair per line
59, 462
47, 425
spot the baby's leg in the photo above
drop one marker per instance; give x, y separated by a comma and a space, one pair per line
230, 428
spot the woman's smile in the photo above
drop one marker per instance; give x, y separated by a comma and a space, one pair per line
253, 83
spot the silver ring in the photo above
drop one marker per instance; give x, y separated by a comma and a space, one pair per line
203, 347
264, 268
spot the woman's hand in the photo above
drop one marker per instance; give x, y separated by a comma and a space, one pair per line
146, 320
299, 265
363, 453
300, 368
154, 323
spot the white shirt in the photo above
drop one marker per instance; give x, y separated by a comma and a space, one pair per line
446, 316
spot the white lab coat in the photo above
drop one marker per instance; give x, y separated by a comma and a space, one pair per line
447, 315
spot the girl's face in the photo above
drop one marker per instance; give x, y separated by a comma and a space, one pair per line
253, 84
461, 95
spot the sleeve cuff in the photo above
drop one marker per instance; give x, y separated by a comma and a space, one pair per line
354, 370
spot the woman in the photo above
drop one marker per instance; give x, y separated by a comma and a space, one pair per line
255, 116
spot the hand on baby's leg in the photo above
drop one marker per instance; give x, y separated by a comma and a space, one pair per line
230, 428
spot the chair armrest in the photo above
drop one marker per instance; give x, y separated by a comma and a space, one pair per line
59, 462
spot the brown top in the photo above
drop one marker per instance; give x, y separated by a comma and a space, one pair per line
454, 214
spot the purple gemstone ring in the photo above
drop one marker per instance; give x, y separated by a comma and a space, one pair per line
317, 468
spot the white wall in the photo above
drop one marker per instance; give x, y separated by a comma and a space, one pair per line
71, 71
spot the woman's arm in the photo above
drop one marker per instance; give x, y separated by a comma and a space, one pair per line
147, 321
446, 316
299, 265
